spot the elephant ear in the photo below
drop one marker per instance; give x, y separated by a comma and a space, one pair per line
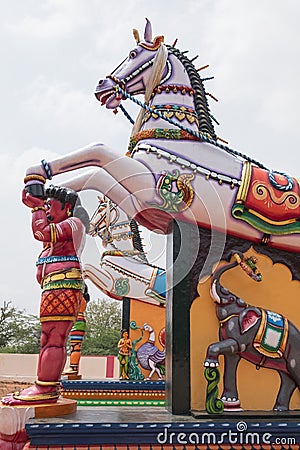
248, 318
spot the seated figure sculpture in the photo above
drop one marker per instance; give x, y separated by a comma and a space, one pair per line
60, 223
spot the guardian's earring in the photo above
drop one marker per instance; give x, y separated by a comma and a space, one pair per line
69, 213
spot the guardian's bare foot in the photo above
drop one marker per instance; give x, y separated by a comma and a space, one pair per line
32, 395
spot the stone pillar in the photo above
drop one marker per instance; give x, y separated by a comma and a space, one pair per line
126, 313
182, 250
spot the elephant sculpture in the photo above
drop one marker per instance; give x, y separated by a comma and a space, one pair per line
265, 338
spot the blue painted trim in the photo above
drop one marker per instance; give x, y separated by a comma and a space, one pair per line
148, 433
113, 385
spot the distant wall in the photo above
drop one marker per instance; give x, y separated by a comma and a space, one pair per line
23, 368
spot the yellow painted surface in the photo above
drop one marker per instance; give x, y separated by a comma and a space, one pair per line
153, 315
277, 292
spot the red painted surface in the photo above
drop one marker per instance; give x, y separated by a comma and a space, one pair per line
110, 360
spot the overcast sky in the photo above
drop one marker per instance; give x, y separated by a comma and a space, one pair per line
53, 52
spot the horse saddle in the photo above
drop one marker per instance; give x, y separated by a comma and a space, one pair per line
268, 200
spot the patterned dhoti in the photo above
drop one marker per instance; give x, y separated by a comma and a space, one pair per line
60, 304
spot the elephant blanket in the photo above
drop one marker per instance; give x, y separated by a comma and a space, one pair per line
271, 337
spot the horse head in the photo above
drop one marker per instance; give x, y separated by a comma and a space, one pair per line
105, 215
145, 63
150, 65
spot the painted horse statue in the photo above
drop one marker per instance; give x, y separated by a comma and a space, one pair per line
176, 166
262, 337
124, 270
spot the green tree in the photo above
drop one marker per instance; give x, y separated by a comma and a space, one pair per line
19, 331
103, 319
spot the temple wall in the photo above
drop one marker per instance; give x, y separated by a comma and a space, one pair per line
23, 367
276, 292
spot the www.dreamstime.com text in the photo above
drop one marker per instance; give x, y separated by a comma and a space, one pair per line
240, 436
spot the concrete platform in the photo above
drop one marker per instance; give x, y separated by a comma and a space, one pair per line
115, 428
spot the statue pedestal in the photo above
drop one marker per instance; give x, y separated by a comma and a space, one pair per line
71, 377
14, 418
62, 407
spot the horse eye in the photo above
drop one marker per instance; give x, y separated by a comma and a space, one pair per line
132, 54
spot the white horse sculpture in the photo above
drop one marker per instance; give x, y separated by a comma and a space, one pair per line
175, 166
124, 270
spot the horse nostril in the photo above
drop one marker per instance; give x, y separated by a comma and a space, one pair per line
100, 82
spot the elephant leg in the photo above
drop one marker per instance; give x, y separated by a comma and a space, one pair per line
287, 387
230, 394
226, 347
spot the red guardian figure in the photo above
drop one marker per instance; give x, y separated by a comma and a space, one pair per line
60, 223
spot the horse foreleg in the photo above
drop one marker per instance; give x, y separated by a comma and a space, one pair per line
100, 180
131, 174
99, 277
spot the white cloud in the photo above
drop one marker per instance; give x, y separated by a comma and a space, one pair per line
50, 20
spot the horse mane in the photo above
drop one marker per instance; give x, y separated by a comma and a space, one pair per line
137, 240
201, 103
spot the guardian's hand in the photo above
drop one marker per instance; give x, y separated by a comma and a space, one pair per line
30, 201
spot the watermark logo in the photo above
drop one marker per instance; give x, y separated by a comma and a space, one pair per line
240, 436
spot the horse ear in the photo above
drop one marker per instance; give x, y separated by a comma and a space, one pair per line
136, 36
148, 31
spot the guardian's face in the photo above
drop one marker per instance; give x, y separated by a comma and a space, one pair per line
56, 213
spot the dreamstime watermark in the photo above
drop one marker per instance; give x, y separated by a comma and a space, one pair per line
239, 436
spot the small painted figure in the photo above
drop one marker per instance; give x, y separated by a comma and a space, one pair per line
60, 223
77, 335
124, 346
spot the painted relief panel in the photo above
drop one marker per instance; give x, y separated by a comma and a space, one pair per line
149, 334
277, 296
